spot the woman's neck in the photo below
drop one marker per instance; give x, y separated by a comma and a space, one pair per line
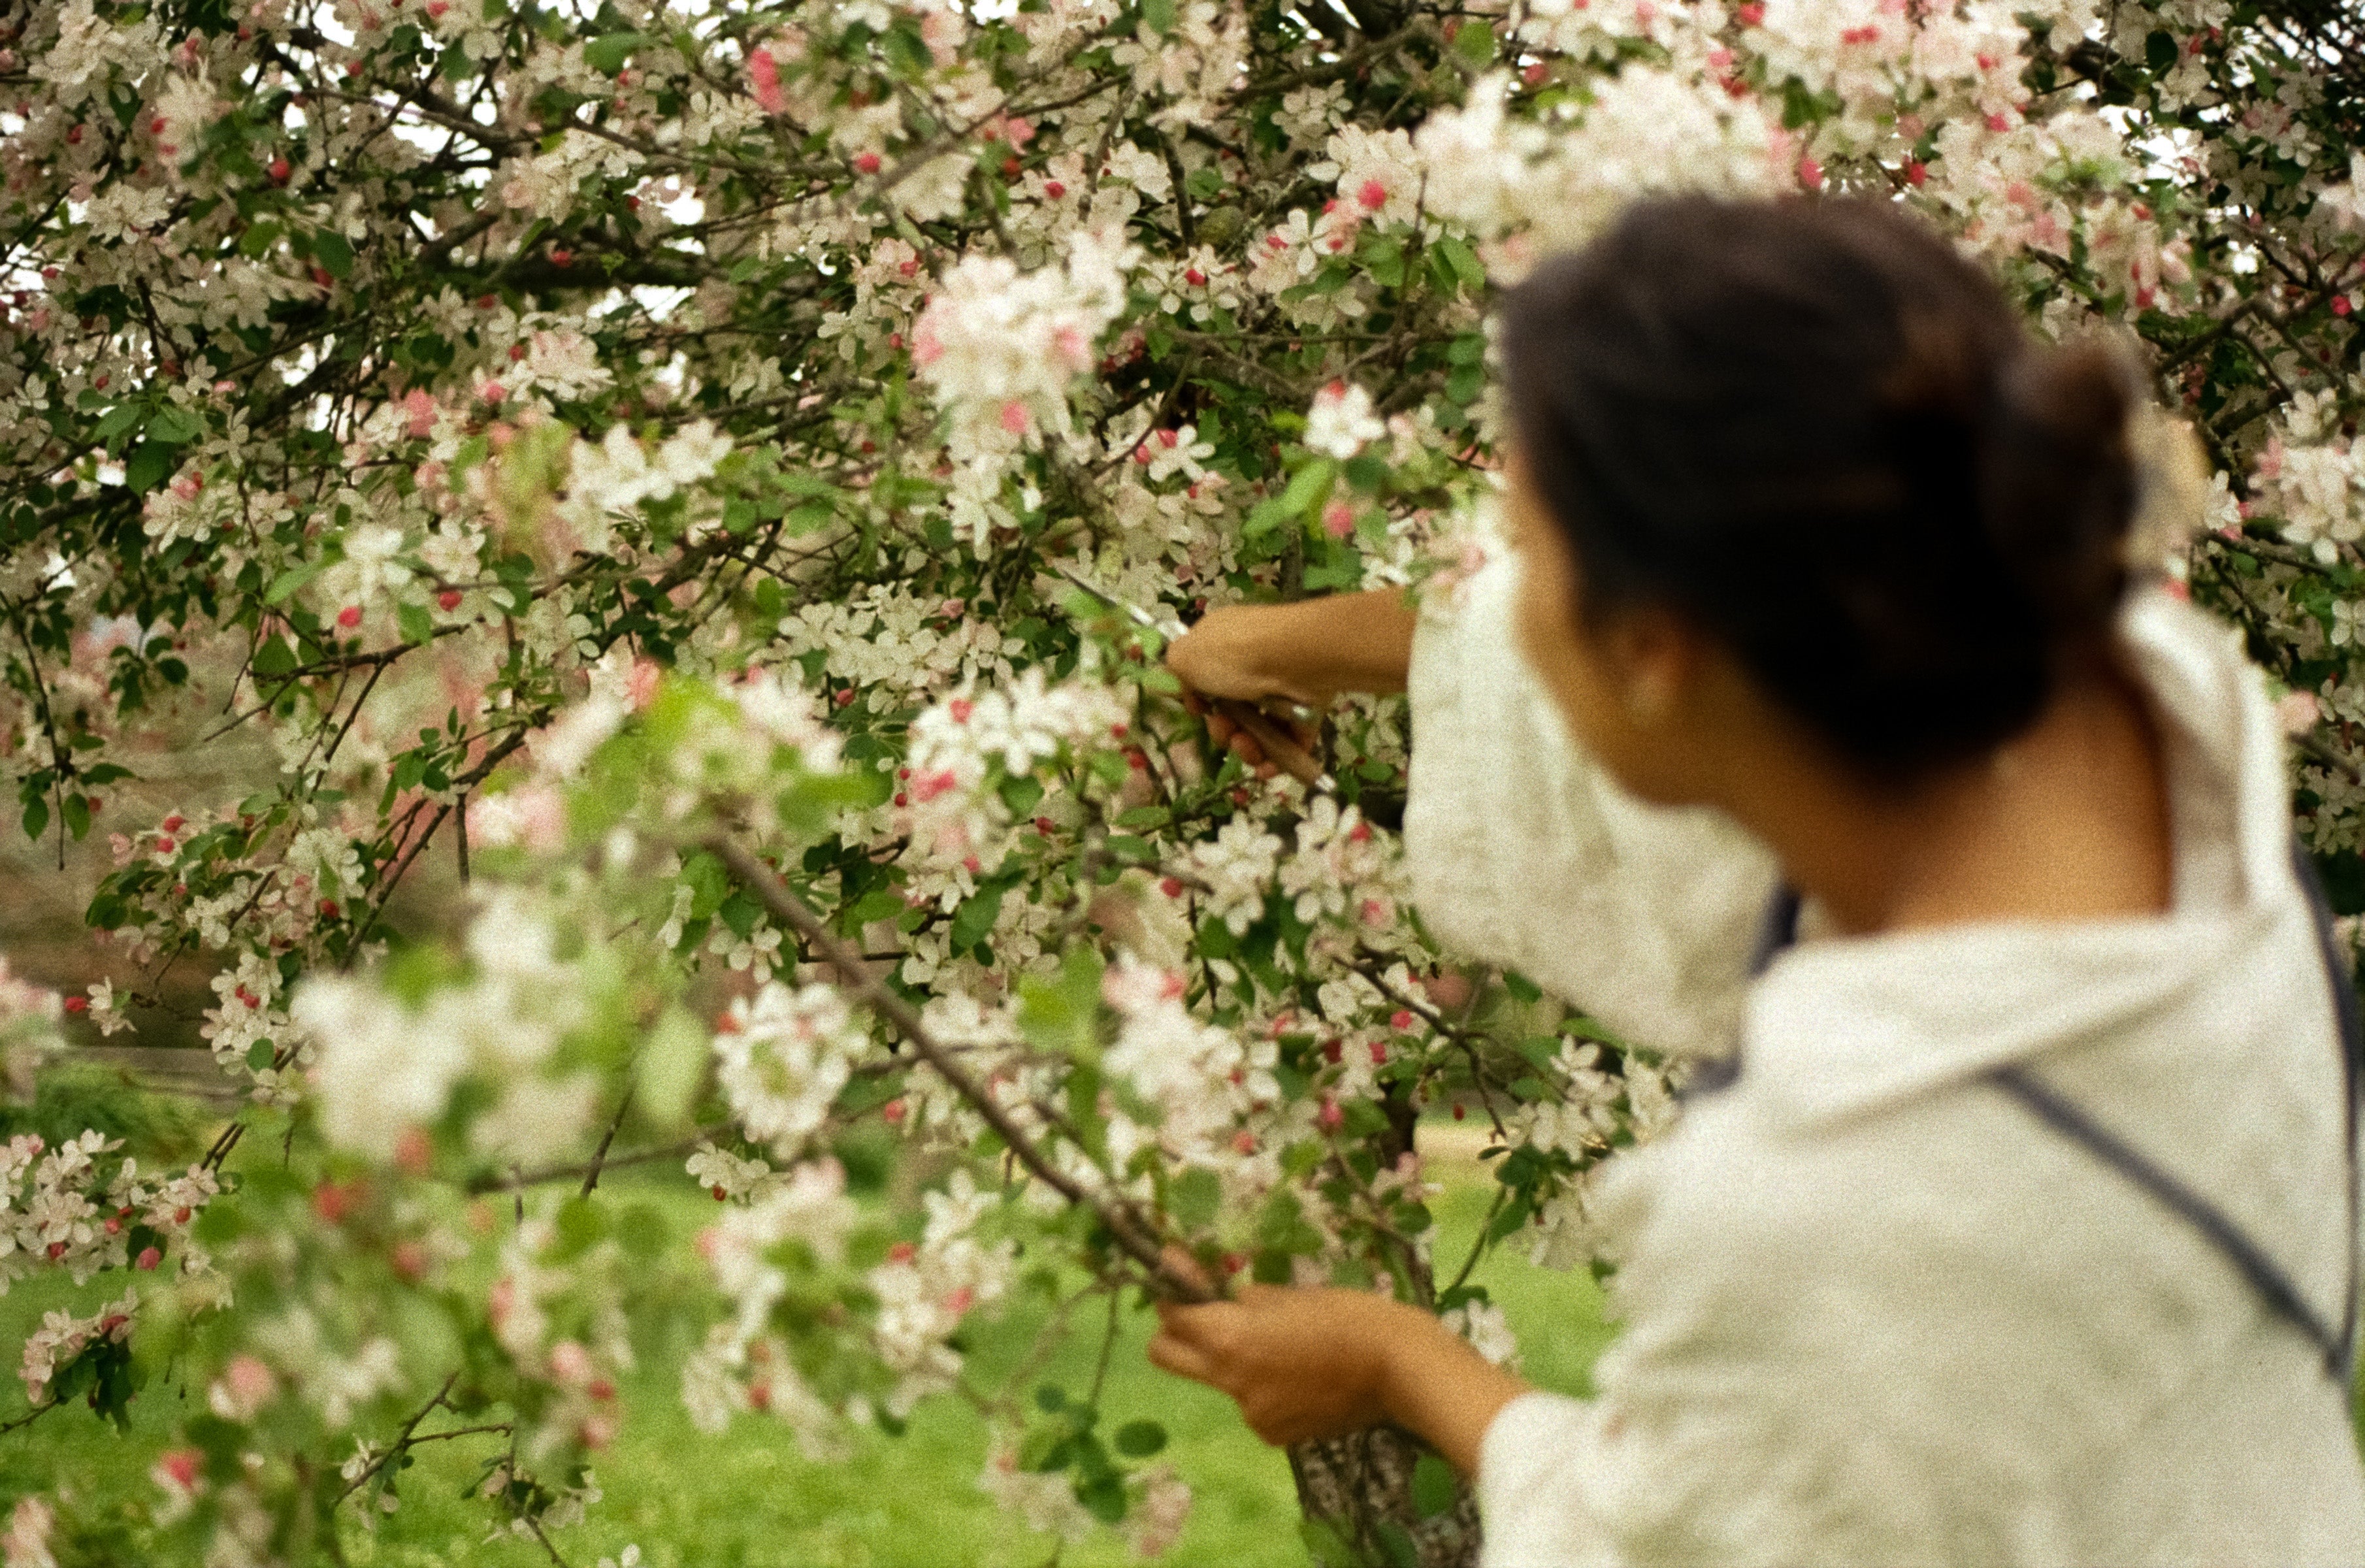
2067, 821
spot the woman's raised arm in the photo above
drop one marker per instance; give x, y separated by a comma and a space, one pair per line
1308, 652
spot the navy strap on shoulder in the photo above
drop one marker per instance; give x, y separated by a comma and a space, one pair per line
1778, 928
2267, 1278
2273, 1286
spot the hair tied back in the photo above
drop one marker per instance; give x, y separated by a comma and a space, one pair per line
2059, 480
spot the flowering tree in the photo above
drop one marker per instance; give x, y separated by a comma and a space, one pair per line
646, 452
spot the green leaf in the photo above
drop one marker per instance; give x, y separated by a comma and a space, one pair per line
258, 1055
1474, 42
122, 417
581, 1223
1326, 1545
175, 427
642, 1232
974, 921
1044, 1448
1140, 1440
1193, 1198
150, 464
1063, 1014
334, 252
293, 578
418, 625
608, 52
1307, 488
77, 815
1434, 1488
1395, 1540
274, 657
1159, 14
1102, 1495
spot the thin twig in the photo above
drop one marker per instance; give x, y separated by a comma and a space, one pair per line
401, 1438
600, 1154
1124, 1227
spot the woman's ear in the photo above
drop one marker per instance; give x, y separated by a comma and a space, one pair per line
1655, 658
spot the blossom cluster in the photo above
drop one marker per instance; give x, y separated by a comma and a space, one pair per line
553, 452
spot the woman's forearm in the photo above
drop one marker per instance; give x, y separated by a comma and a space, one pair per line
1435, 1385
1314, 1363
1308, 652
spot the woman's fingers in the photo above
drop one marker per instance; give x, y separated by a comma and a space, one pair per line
1179, 1265
1181, 1357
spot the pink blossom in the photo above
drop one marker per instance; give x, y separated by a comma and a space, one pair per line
178, 1469
419, 412
764, 75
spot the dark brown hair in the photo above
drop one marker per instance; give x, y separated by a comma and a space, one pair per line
1818, 432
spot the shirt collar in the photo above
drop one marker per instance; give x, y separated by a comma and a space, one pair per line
1839, 1025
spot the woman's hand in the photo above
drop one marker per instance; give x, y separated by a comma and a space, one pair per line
1306, 652
1301, 1363
1315, 1363
1241, 651
1275, 656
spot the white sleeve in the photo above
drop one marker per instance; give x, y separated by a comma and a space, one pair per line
1522, 851
1533, 1464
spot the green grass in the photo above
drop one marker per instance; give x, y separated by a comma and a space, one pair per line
747, 1498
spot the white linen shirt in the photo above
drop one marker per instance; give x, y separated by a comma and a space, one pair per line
1875, 1311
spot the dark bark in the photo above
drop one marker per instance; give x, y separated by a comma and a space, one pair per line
1361, 1487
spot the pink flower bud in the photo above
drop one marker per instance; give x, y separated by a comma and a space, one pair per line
764, 76
149, 1258
178, 1467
